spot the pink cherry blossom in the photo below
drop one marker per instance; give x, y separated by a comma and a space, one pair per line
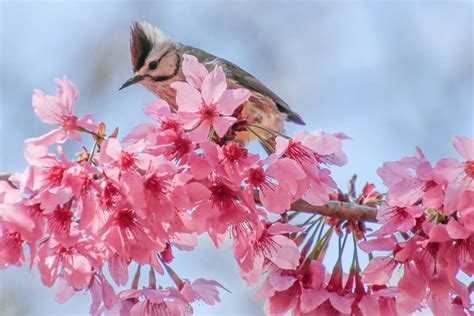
206, 291
138, 201
310, 150
411, 180
458, 176
58, 109
206, 104
150, 302
264, 245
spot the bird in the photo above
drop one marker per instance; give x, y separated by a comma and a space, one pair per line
156, 64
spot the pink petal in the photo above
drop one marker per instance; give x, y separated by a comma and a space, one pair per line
464, 146
213, 86
282, 228
324, 144
64, 292
199, 166
188, 98
86, 210
281, 282
45, 107
194, 71
286, 169
369, 305
67, 93
438, 233
200, 133
275, 200
118, 269
156, 109
17, 219
281, 145
222, 124
112, 148
87, 123
393, 172
53, 137
381, 244
280, 303
231, 99
108, 293
341, 303
447, 170
378, 271
265, 291
197, 191
208, 290
79, 272
412, 290
285, 254
136, 147
190, 119
456, 230
312, 298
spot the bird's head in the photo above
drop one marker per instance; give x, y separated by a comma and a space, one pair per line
154, 58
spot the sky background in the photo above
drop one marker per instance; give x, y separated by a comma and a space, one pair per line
392, 75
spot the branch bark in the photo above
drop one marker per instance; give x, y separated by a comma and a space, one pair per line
342, 210
5, 176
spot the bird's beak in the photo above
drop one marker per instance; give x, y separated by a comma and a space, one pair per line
131, 81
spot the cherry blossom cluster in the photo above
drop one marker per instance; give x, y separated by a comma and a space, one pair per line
84, 222
427, 233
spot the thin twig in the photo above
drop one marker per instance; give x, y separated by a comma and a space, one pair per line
5, 176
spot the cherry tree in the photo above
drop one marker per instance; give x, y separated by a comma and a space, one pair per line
84, 222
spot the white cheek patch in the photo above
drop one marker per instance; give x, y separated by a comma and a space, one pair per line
168, 65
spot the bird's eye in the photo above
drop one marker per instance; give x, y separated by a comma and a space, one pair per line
153, 65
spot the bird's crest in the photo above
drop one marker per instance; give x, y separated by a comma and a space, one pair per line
143, 37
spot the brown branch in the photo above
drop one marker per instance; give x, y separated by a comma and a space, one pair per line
343, 210
5, 176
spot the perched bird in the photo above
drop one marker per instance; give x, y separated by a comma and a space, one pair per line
156, 64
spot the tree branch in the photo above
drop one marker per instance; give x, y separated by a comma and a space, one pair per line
343, 210
5, 176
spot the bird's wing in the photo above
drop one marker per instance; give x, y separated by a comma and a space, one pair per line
243, 78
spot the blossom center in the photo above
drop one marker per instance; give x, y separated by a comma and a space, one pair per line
155, 185
169, 125
125, 219
178, 148
126, 160
222, 195
56, 173
469, 168
208, 112
258, 179
110, 195
233, 152
69, 122
60, 220
265, 245
298, 152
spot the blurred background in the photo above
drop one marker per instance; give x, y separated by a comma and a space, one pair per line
392, 75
